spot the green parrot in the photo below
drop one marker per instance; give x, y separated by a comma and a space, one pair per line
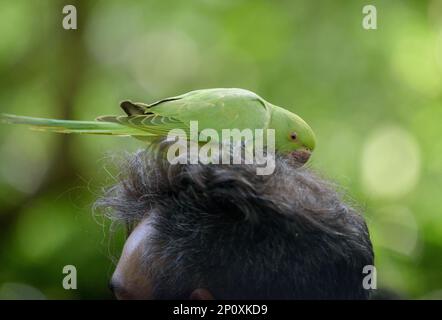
218, 109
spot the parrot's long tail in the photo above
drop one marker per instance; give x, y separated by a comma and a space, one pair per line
70, 126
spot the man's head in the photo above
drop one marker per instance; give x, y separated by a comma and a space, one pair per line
221, 231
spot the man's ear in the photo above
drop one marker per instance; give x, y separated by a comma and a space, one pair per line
201, 294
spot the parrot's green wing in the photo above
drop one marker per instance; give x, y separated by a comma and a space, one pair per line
212, 108
151, 123
216, 109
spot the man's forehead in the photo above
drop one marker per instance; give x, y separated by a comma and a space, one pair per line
129, 278
137, 237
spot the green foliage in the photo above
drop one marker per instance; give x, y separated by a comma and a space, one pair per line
373, 98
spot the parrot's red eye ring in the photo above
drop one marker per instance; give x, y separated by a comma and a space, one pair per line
293, 136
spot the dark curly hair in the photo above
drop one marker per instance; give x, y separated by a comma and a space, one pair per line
241, 235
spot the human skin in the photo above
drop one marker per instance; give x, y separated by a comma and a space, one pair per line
130, 280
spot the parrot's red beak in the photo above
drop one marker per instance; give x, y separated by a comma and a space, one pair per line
301, 156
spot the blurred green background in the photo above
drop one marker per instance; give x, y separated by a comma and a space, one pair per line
373, 97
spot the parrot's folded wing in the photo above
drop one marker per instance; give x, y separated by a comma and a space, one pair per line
70, 126
152, 123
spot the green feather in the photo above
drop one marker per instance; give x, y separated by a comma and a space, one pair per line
69, 126
218, 109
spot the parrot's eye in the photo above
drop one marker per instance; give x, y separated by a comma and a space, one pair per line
293, 136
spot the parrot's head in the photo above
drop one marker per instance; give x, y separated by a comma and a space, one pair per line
294, 136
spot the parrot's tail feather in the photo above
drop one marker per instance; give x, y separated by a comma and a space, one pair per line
70, 126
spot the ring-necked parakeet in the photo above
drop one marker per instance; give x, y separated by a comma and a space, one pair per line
213, 108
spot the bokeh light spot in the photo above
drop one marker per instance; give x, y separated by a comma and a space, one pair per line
395, 228
24, 158
47, 226
414, 59
20, 291
390, 162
